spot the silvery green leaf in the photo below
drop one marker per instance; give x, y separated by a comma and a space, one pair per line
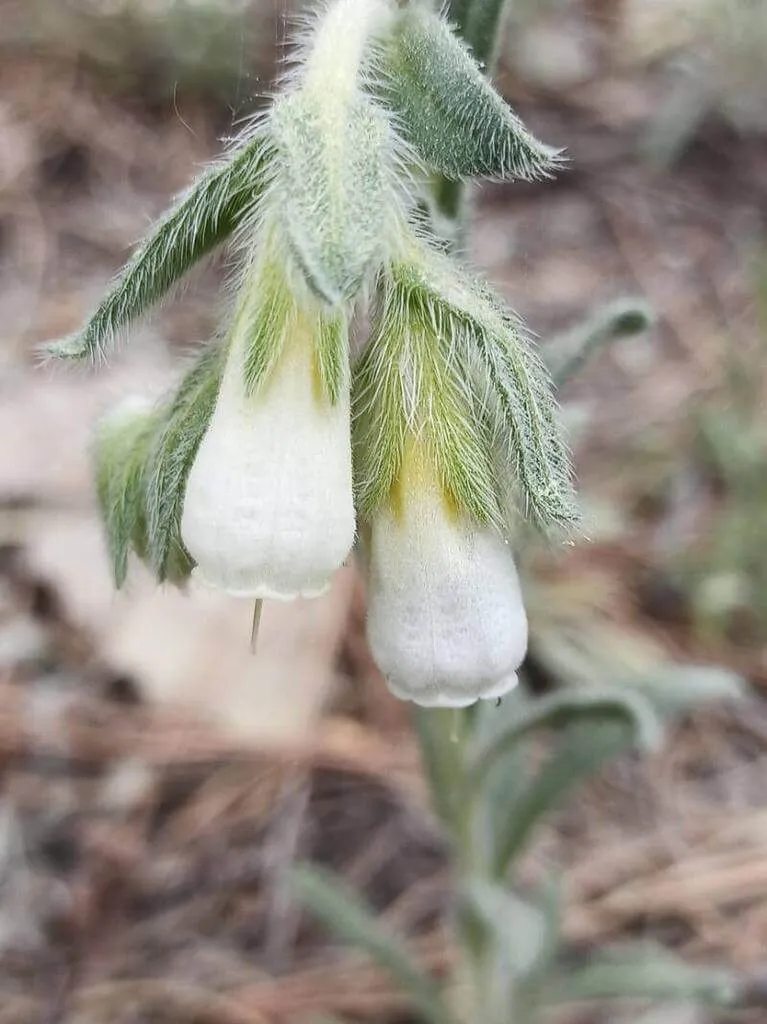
448, 111
331, 190
580, 752
517, 927
674, 688
643, 972
172, 454
222, 199
563, 709
591, 729
567, 353
341, 911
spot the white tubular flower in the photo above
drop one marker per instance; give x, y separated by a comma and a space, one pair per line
446, 621
268, 511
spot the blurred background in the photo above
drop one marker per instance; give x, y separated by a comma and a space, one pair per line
156, 776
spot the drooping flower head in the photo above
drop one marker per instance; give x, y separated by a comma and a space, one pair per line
244, 474
453, 427
268, 509
446, 620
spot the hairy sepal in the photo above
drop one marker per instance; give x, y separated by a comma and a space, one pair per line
412, 384
172, 453
119, 453
496, 429
331, 189
219, 203
448, 111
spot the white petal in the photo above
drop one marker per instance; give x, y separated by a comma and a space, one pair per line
268, 510
446, 621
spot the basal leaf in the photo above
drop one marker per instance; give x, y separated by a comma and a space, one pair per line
344, 915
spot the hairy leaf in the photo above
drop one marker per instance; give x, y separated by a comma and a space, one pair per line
567, 353
561, 710
343, 913
644, 971
330, 189
448, 111
222, 199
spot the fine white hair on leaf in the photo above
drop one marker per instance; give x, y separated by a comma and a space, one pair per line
220, 202
447, 109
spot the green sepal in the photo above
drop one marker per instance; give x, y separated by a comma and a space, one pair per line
120, 451
265, 314
331, 348
413, 380
173, 451
444, 349
448, 112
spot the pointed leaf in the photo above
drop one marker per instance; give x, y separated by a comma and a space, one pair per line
560, 710
173, 453
343, 914
579, 752
644, 972
593, 727
448, 111
518, 928
567, 353
674, 688
213, 208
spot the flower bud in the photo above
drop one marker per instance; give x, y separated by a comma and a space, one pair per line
446, 621
268, 510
